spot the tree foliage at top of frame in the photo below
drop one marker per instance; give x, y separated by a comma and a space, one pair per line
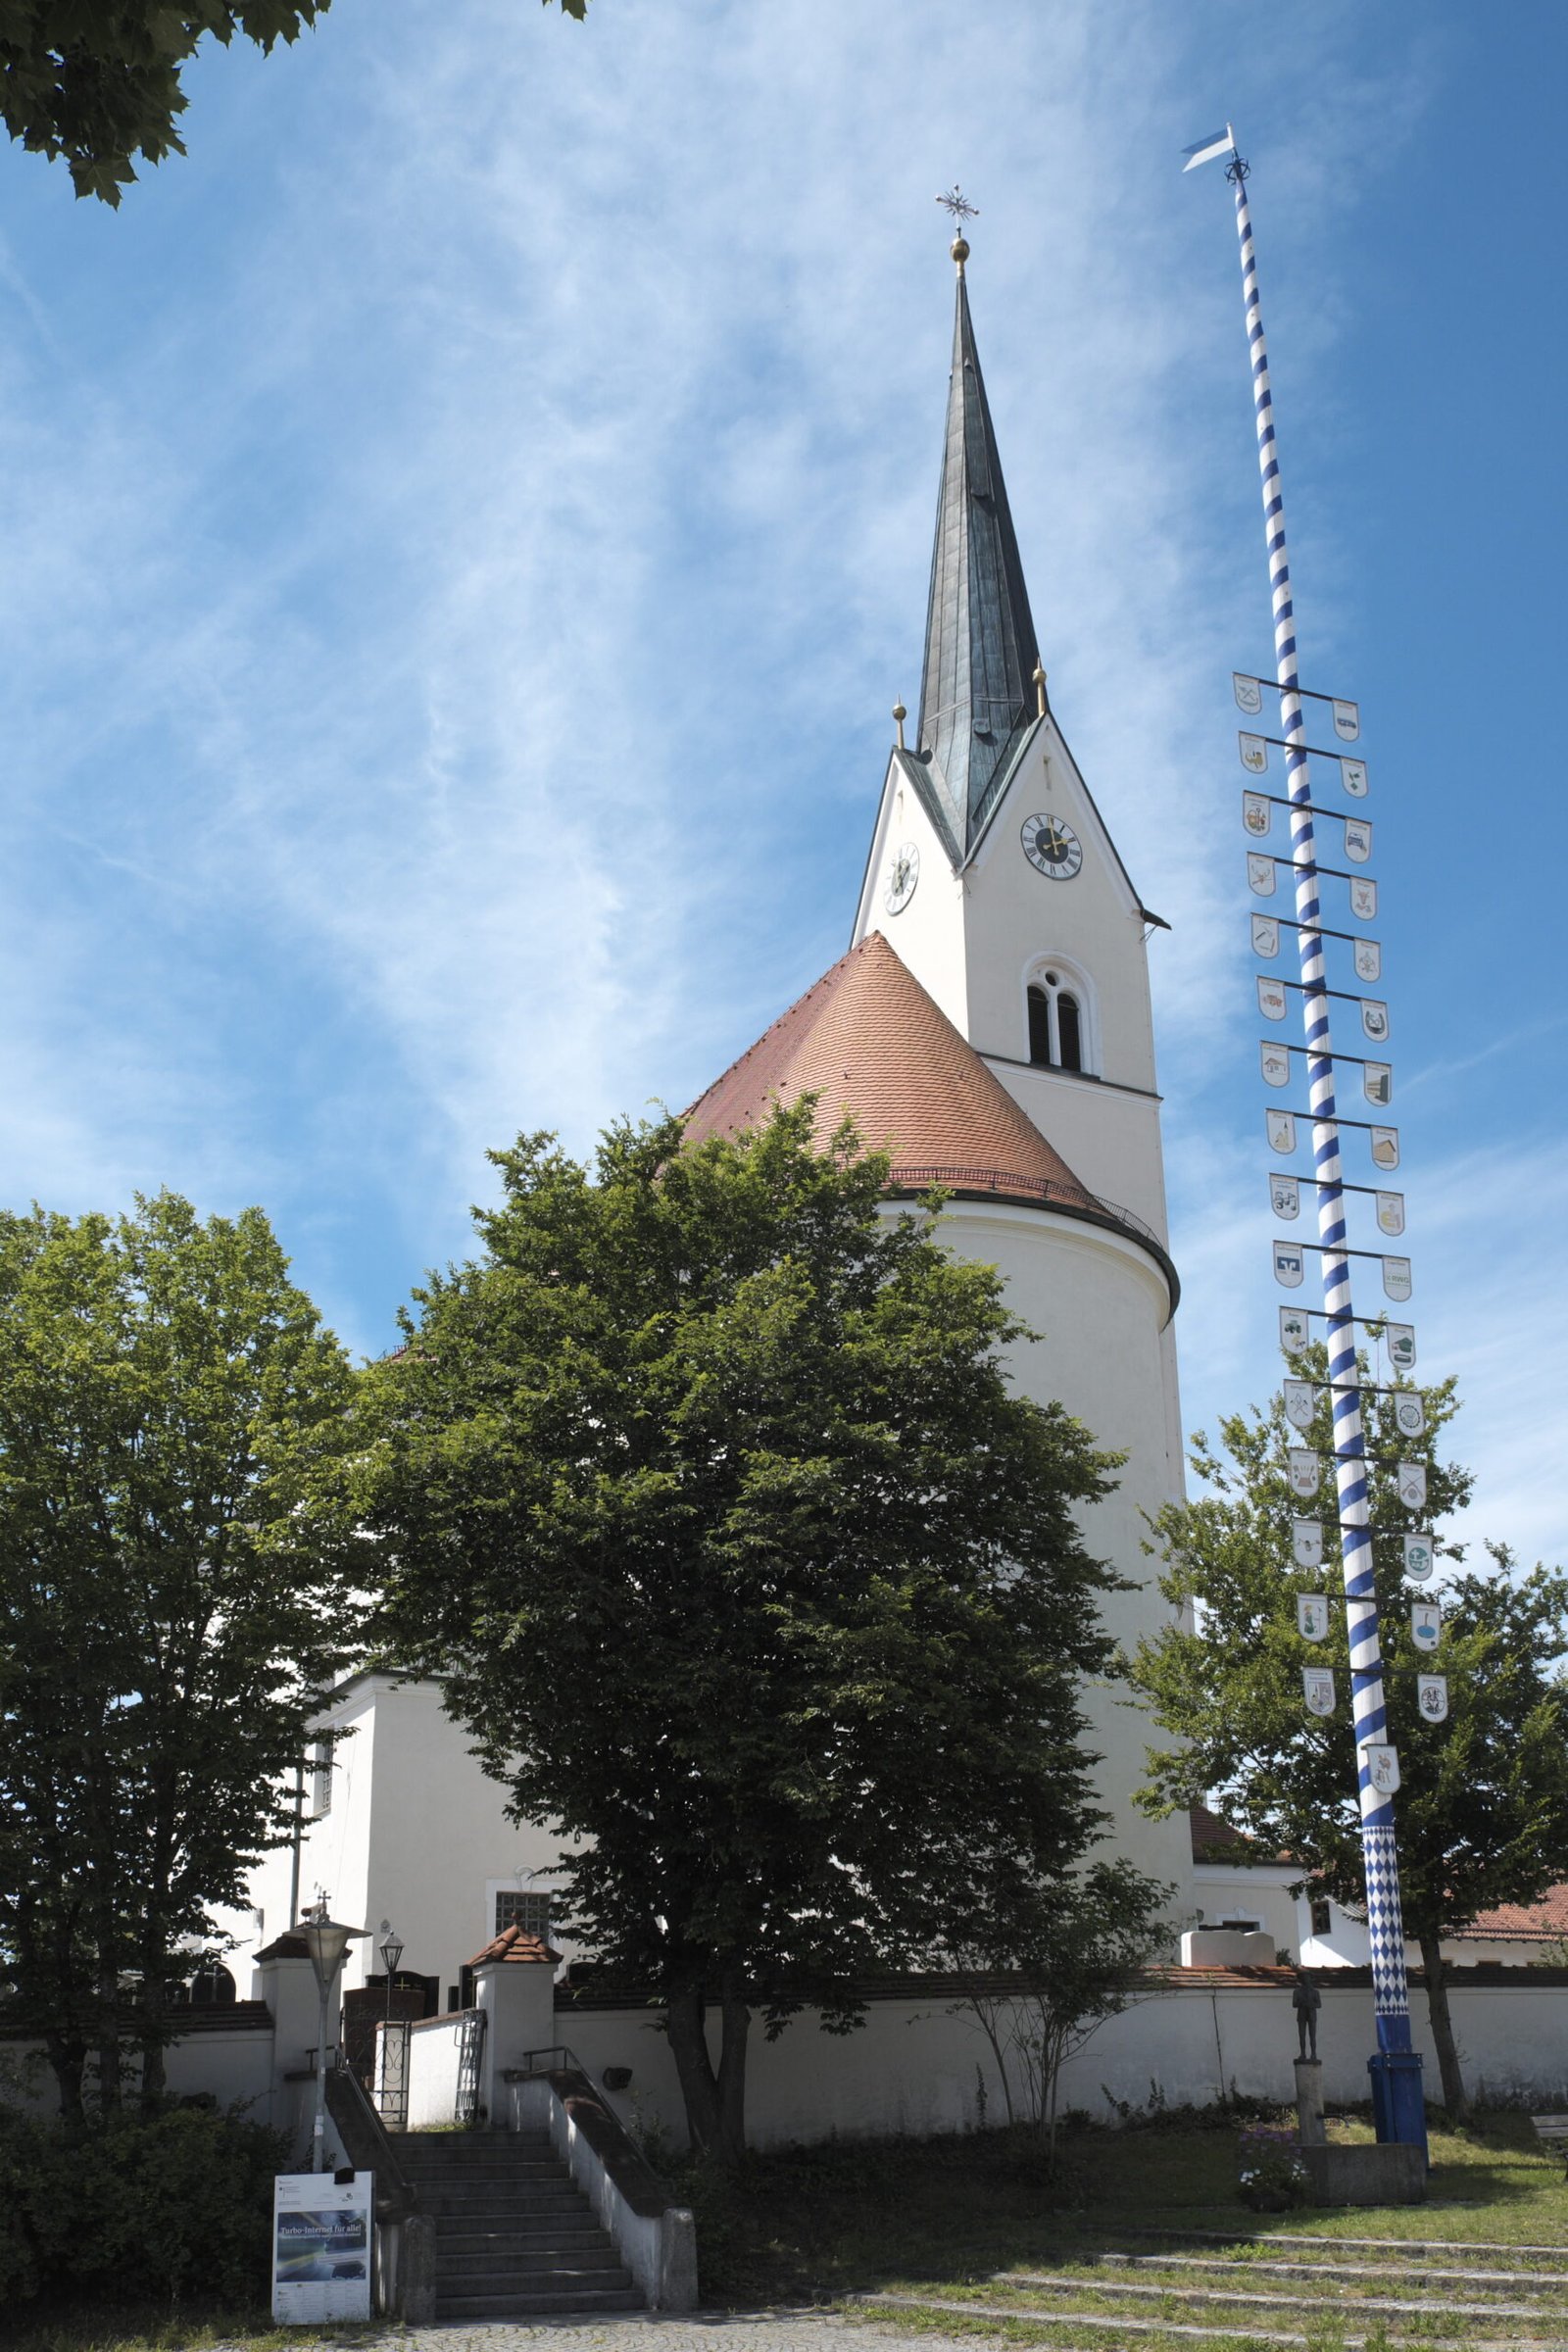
98, 81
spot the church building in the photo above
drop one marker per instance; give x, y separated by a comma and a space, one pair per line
990, 1026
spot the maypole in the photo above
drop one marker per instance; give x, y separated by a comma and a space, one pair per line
1398, 2105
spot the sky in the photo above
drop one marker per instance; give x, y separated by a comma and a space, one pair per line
463, 529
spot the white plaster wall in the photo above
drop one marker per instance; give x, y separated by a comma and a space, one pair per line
920, 2067
928, 931
439, 1839
434, 2050
1225, 1890
1100, 1304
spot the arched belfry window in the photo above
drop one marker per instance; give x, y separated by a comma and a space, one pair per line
1058, 1006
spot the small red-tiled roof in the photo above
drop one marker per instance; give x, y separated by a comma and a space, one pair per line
1543, 1922
869, 1040
516, 1944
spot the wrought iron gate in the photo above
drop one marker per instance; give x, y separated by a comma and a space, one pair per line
391, 2090
471, 2045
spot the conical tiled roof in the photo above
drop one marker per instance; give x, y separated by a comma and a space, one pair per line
869, 1040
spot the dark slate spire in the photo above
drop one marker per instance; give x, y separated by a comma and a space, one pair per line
977, 697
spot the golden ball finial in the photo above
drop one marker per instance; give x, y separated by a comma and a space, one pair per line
959, 250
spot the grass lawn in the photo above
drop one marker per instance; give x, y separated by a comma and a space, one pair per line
853, 2217
941, 2218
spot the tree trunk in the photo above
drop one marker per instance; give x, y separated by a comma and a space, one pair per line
737, 2025
109, 2083
1454, 2091
699, 2085
714, 2097
68, 2060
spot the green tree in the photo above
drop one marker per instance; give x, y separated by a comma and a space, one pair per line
705, 1491
1040, 1984
98, 81
169, 1408
1482, 1812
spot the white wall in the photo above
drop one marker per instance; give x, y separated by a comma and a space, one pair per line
1101, 1303
917, 2067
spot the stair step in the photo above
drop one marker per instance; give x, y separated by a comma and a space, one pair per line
472, 2272
506, 2307
497, 2243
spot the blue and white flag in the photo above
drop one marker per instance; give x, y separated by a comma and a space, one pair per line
1218, 142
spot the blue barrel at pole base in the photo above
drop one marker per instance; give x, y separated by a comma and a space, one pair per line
1399, 2101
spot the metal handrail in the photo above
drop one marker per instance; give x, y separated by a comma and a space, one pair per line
342, 2083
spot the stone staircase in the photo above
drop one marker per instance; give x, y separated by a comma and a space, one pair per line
1222, 2290
515, 2236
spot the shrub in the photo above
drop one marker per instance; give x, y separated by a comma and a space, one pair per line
1270, 2172
132, 2211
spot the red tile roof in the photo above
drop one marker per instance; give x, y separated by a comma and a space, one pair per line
867, 1039
1543, 1922
516, 1944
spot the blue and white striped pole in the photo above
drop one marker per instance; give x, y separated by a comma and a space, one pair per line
1397, 2101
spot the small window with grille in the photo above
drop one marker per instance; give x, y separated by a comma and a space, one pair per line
530, 1912
1322, 1917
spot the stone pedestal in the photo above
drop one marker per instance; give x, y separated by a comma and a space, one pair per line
1309, 2102
1387, 2173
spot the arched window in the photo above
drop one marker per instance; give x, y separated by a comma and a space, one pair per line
1055, 1023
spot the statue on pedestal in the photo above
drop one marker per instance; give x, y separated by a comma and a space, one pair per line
1307, 2001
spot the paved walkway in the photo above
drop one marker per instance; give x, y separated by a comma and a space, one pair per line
655, 2331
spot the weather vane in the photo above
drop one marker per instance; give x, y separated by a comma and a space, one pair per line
958, 204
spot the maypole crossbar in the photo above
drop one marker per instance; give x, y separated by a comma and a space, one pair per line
1398, 2105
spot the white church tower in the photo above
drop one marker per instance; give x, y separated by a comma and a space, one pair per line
991, 1027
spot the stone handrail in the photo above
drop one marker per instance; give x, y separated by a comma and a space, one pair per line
655, 2238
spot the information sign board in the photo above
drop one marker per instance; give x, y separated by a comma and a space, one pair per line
322, 2246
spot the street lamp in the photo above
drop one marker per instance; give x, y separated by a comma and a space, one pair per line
391, 1954
326, 1941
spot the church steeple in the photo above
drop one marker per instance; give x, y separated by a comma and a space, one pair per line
978, 696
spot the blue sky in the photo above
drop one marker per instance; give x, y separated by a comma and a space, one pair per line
465, 528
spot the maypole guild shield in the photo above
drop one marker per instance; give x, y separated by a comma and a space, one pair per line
1300, 1402
1265, 935
1312, 1616
1288, 1265
1410, 1414
1280, 1132
1254, 753
1286, 1194
1383, 1766
1317, 1689
1294, 1333
1305, 1470
1419, 1558
1306, 1542
1426, 1624
1248, 694
1352, 775
1431, 1696
1412, 1483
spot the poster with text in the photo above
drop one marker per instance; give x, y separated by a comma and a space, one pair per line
322, 2246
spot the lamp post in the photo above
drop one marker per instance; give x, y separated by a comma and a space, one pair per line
391, 1954
326, 1941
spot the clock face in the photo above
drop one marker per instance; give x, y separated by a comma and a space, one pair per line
1052, 847
902, 876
